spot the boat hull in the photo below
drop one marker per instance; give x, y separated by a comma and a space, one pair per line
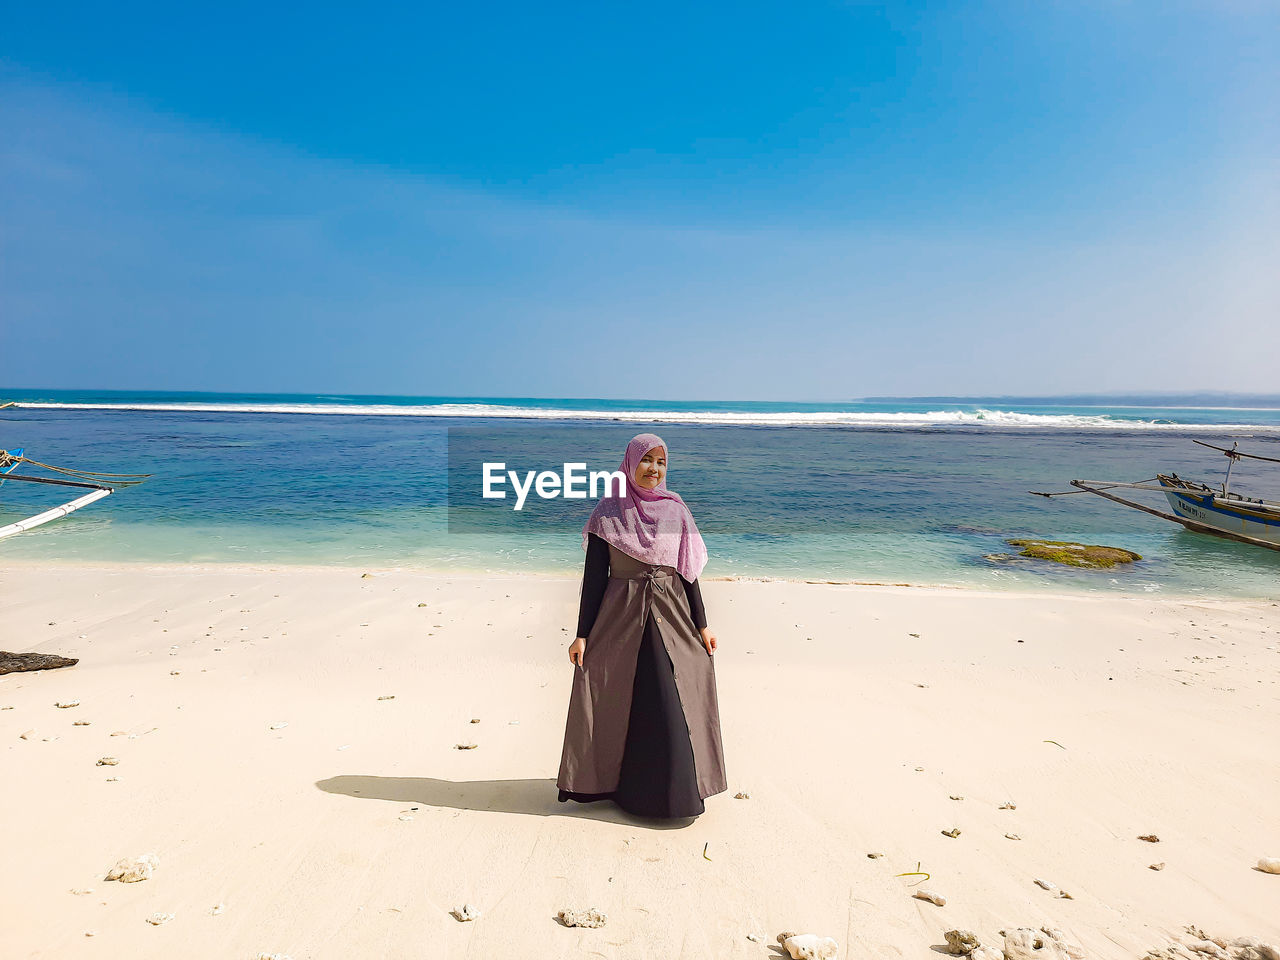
1207, 510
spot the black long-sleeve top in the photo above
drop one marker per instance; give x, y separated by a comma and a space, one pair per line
595, 577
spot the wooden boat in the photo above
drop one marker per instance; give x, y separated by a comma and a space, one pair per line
98, 485
1197, 506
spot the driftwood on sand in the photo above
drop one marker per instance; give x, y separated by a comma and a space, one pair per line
17, 662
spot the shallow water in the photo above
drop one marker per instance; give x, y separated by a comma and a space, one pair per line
916, 502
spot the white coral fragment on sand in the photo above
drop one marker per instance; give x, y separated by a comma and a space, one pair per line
158, 918
1073, 950
129, 870
590, 917
930, 896
810, 946
1269, 864
465, 912
217, 909
1207, 948
1043, 944
962, 942
742, 795
965, 943
69, 703
107, 762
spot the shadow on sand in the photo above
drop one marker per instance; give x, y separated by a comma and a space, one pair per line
532, 797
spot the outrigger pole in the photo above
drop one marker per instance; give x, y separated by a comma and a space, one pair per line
40, 518
84, 480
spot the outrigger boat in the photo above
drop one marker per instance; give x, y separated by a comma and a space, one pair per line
1205, 509
98, 485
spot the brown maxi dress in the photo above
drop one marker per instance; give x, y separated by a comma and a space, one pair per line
644, 724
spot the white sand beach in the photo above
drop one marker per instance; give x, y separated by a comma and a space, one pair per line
259, 762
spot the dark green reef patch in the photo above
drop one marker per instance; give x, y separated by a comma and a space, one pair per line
1074, 554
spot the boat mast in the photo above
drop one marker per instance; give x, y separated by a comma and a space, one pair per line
1232, 457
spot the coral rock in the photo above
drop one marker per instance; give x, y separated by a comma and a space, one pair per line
591, 917
1207, 948
1043, 944
465, 912
131, 871
810, 946
930, 896
1269, 864
158, 918
962, 942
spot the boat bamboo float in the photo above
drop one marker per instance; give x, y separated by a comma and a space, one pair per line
98, 485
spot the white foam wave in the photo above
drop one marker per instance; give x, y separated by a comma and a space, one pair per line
934, 418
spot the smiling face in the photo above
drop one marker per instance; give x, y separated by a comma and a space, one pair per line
651, 469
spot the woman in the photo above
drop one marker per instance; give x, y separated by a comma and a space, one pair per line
644, 724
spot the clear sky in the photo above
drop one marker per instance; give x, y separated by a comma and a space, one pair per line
684, 201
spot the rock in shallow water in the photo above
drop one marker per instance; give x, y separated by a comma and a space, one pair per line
1075, 554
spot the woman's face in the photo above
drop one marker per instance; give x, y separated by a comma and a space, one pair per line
651, 469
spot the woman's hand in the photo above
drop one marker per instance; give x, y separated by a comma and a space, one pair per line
709, 640
576, 649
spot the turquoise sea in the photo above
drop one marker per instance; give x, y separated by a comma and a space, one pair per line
915, 490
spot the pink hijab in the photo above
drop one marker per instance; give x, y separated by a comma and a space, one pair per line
654, 525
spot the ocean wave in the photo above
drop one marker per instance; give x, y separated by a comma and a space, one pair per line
974, 419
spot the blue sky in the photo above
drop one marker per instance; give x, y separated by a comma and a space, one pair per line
790, 201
